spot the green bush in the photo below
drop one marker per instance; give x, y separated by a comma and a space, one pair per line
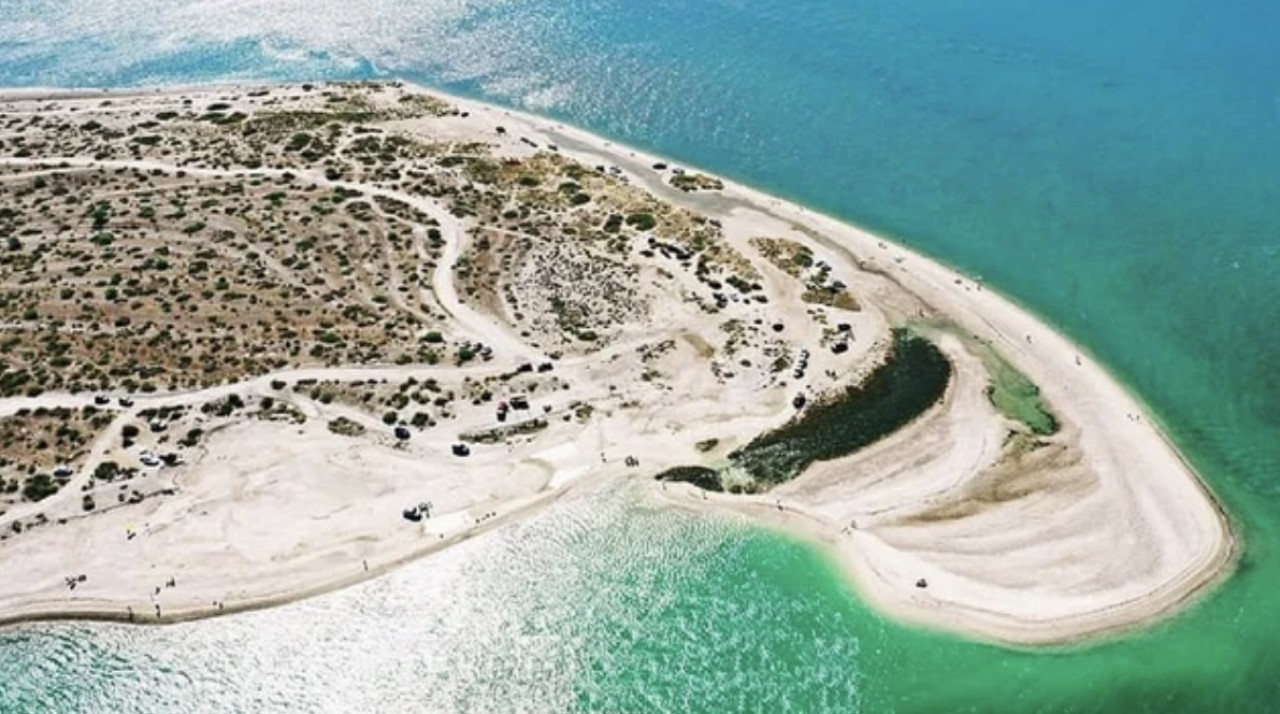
106, 471
642, 221
39, 487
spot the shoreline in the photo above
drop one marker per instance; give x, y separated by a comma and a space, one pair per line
811, 531
1214, 571
96, 613
972, 304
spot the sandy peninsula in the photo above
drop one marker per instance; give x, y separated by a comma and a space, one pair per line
265, 341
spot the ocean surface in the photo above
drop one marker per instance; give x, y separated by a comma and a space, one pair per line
1113, 166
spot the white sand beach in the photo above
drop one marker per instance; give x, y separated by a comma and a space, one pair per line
950, 523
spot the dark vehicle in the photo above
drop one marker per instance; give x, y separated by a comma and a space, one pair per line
461, 450
126, 402
402, 432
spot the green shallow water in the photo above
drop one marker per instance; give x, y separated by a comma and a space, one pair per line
606, 604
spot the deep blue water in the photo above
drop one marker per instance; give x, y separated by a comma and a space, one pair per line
1113, 166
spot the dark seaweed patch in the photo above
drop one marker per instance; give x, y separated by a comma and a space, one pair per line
699, 476
912, 379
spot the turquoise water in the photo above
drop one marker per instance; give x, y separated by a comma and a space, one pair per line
1114, 166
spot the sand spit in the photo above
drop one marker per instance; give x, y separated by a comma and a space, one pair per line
596, 314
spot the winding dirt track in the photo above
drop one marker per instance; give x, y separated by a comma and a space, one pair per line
1053, 566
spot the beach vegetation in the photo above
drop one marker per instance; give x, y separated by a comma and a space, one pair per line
344, 426
39, 487
505, 432
642, 221
106, 471
689, 182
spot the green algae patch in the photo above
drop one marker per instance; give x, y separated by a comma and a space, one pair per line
1010, 391
912, 379
1017, 397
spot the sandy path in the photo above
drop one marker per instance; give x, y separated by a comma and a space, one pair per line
1147, 538
1104, 528
471, 322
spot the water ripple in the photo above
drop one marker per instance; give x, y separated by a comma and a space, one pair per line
596, 605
